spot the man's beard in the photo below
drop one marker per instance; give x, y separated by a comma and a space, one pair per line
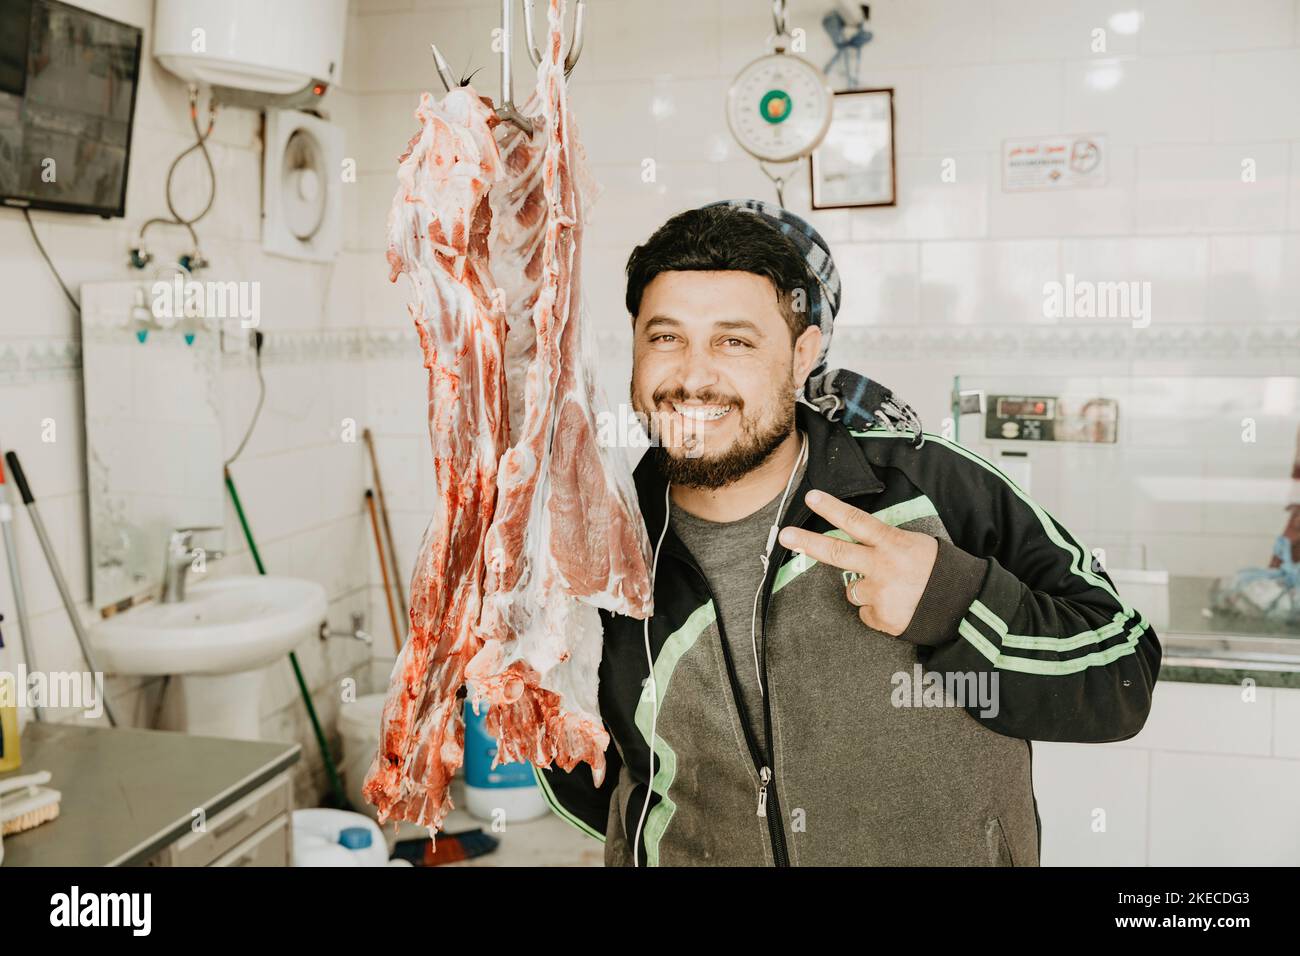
751, 449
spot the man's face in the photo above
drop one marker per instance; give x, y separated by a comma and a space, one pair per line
714, 373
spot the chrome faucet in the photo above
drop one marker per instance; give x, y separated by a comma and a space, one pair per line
179, 556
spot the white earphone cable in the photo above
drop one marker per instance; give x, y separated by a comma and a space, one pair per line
653, 688
649, 656
771, 542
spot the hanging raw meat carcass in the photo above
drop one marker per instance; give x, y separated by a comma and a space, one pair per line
536, 524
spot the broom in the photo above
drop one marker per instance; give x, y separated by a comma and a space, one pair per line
29, 803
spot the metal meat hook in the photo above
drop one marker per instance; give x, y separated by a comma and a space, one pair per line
507, 110
575, 43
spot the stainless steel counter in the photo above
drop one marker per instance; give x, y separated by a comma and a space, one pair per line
128, 793
1204, 646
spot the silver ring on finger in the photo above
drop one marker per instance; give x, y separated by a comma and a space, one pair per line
853, 589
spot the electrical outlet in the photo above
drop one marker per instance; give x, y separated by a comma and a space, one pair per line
970, 401
235, 339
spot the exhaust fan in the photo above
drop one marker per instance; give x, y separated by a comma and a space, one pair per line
301, 182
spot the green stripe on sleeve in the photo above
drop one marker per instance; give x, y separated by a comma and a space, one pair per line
559, 809
1027, 642
1027, 665
1127, 618
1049, 528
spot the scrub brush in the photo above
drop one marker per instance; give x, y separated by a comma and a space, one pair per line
26, 803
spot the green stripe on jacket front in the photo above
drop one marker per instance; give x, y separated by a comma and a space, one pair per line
647, 710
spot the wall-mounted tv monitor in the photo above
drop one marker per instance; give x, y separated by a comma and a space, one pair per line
68, 81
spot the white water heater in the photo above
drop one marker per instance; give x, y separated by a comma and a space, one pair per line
265, 46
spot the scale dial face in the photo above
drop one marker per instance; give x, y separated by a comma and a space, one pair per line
779, 107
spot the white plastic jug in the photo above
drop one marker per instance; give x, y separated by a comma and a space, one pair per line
323, 837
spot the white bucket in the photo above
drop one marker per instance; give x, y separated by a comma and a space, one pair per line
359, 730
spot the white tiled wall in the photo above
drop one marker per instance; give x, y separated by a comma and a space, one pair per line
1184, 92
1212, 780
947, 282
950, 280
300, 484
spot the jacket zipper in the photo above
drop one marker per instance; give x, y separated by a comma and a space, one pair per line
774, 818
769, 805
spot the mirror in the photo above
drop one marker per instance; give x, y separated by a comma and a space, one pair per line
153, 434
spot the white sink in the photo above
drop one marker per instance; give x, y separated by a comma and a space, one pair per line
223, 626
218, 641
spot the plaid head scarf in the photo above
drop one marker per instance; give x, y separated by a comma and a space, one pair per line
839, 394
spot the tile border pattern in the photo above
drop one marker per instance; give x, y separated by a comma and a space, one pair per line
1264, 349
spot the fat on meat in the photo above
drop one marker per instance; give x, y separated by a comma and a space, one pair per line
438, 238
567, 537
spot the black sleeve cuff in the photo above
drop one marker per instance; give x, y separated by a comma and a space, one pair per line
954, 583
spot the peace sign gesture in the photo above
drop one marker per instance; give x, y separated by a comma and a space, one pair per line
892, 565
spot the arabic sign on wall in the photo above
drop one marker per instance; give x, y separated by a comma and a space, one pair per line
1053, 162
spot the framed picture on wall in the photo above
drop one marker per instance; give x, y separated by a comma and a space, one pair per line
854, 165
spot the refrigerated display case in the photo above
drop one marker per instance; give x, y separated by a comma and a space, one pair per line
1185, 489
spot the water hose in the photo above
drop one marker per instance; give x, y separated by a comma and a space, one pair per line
336, 785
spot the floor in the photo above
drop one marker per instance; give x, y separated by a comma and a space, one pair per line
546, 841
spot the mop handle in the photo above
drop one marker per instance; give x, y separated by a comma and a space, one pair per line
19, 478
57, 573
16, 583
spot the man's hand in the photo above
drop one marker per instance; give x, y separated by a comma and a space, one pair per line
895, 565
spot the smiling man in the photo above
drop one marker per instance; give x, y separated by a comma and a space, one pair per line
858, 626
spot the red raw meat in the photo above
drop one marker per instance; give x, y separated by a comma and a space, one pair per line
567, 537
438, 232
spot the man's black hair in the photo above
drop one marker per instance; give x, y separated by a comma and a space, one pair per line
721, 239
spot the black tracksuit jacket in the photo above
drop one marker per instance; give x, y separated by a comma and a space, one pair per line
853, 776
